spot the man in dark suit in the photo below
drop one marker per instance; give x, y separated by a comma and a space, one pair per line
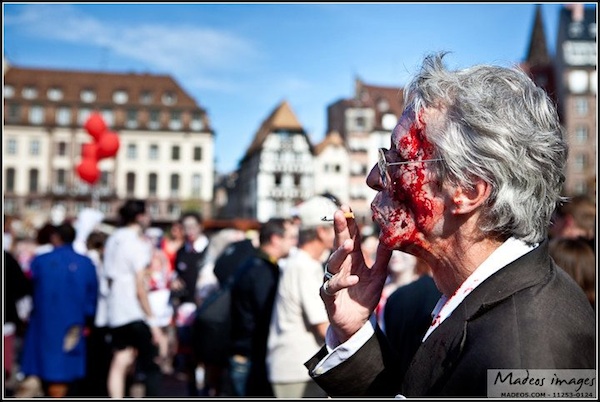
475, 170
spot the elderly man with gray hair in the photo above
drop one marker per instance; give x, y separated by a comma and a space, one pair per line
474, 171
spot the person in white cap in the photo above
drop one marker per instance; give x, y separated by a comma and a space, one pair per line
299, 319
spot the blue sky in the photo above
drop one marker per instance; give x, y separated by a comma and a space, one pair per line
239, 60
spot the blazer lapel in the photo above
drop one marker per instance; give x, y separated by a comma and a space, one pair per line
436, 358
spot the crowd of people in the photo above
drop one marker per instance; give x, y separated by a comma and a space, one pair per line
470, 261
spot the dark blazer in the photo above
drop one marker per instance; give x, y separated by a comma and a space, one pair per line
528, 315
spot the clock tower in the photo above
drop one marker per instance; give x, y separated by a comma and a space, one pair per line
577, 93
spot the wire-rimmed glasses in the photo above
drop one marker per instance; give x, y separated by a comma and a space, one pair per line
383, 164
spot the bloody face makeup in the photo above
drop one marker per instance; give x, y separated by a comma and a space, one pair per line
407, 209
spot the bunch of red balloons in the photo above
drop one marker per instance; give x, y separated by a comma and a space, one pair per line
105, 145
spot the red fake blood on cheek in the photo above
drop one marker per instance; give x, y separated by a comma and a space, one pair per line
410, 188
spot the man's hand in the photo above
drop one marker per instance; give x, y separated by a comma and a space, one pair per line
354, 289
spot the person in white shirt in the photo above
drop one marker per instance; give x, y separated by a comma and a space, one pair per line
469, 184
299, 319
127, 255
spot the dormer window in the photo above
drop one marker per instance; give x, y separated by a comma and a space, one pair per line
55, 94
196, 123
30, 92
120, 97
388, 121
9, 91
169, 98
383, 105
146, 97
88, 96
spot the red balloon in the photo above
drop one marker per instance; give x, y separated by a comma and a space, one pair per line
88, 170
108, 145
95, 125
90, 151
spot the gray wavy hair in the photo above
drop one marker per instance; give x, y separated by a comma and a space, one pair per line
499, 126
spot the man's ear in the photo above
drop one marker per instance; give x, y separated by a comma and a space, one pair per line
467, 200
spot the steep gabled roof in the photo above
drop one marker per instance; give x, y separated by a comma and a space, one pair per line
332, 138
282, 118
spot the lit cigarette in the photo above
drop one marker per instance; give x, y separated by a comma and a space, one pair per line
346, 215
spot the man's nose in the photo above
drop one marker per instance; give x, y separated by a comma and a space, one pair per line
374, 179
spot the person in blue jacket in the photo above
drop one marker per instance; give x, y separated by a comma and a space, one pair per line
65, 290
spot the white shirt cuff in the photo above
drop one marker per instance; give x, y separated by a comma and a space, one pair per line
344, 351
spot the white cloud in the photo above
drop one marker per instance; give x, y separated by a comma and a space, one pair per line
181, 50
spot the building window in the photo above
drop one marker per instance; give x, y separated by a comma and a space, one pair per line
14, 112
277, 177
581, 106
63, 116
11, 146
54, 94
130, 185
131, 118
10, 179
34, 147
175, 153
36, 115
87, 96
61, 182
9, 91
169, 98
154, 122
83, 115
61, 177
359, 123
197, 153
297, 179
174, 209
105, 208
581, 134
174, 185
196, 185
146, 97
105, 180
383, 105
153, 209
131, 151
153, 152
10, 206
35, 205
109, 117
580, 162
61, 148
580, 187
33, 180
175, 121
120, 97
29, 92
152, 184
196, 123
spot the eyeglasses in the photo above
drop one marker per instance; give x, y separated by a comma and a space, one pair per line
383, 164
